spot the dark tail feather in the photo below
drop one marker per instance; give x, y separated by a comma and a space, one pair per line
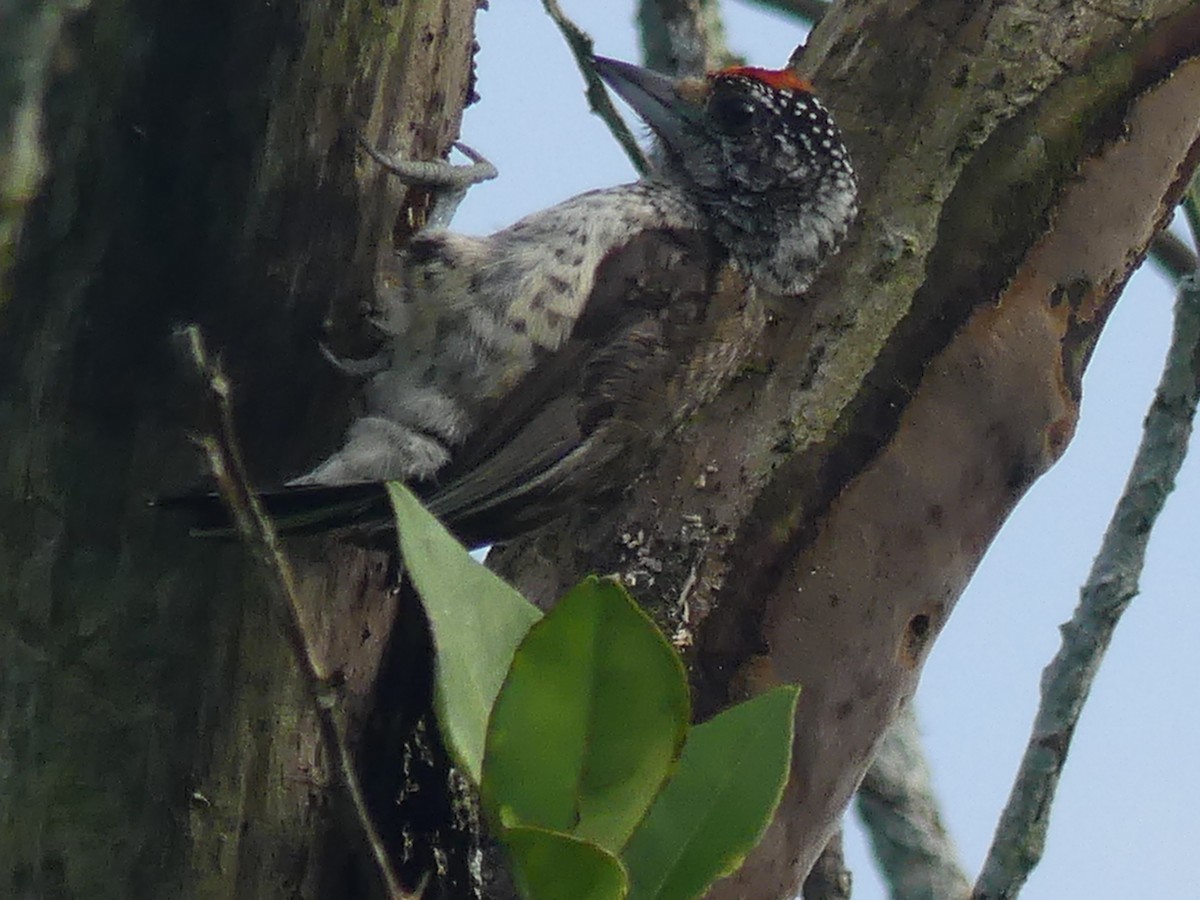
302, 509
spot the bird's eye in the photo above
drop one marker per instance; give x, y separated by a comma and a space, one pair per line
731, 114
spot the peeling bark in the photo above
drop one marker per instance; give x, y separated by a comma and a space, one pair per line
1015, 160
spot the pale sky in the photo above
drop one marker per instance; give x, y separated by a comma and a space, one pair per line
1125, 823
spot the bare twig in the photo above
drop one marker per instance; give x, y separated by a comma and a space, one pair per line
1111, 585
829, 878
898, 807
683, 37
1191, 208
1172, 255
810, 11
225, 462
581, 47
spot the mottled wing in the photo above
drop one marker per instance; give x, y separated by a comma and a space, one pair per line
666, 325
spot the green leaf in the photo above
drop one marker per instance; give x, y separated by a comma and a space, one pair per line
718, 804
589, 722
477, 622
552, 866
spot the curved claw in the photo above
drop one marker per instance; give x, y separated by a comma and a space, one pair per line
436, 173
476, 157
356, 368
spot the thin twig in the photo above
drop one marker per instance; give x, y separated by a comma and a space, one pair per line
581, 47
1191, 208
900, 812
810, 11
683, 37
225, 462
1172, 255
1113, 582
829, 878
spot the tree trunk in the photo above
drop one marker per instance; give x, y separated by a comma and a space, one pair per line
169, 163
166, 165
1015, 159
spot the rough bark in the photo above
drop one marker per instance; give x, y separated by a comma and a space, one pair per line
169, 163
1015, 160
199, 164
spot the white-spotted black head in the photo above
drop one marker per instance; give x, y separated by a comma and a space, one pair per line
760, 155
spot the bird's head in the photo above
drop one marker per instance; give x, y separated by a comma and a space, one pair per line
761, 156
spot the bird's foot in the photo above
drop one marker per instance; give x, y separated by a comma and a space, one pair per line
437, 174
448, 182
356, 368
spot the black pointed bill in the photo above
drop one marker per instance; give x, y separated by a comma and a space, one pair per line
652, 96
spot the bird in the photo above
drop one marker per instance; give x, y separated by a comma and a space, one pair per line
542, 364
